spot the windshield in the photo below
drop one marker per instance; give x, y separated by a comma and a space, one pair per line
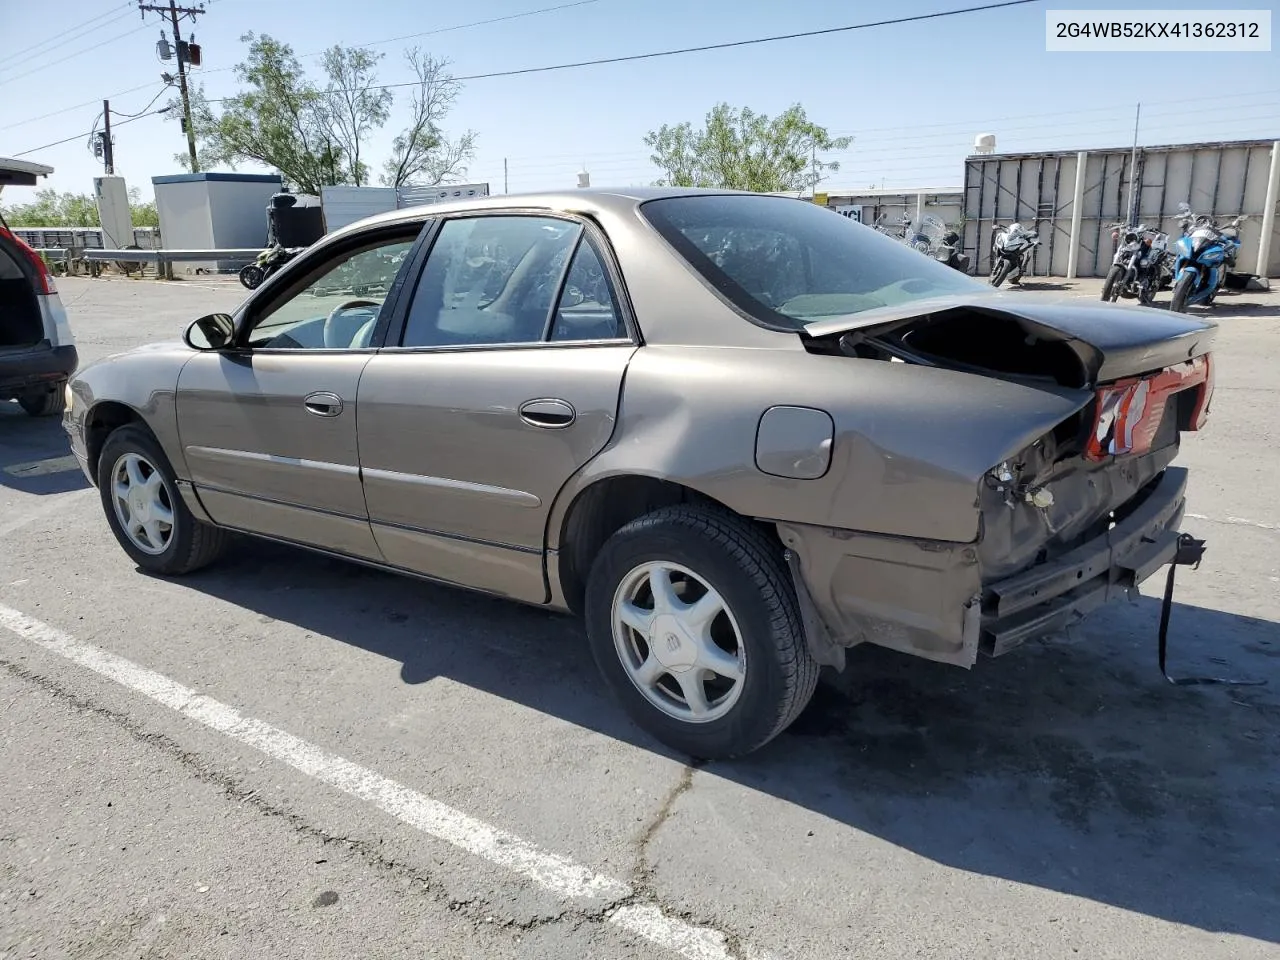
788, 262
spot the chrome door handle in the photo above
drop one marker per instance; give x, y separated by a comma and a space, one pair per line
548, 413
323, 404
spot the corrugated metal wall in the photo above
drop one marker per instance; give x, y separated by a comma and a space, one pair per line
344, 205
1221, 180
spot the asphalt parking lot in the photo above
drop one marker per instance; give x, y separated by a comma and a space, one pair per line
286, 756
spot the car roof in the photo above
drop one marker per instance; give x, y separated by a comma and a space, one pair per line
590, 200
21, 173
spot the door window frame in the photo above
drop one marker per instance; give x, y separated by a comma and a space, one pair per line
314, 264
394, 336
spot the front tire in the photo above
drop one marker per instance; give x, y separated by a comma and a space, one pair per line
50, 402
1182, 292
694, 624
252, 276
1111, 286
1000, 272
139, 494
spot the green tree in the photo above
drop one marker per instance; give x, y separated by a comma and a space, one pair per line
738, 149
53, 209
421, 153
354, 105
279, 119
143, 214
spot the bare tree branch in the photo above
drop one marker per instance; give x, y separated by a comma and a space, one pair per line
421, 153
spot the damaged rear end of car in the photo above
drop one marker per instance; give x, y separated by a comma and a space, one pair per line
1078, 511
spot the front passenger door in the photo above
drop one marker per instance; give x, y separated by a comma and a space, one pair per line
268, 429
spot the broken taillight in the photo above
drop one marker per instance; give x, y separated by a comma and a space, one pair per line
1129, 412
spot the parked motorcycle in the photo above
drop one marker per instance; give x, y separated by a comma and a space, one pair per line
1205, 252
268, 262
1141, 265
1010, 249
915, 239
948, 251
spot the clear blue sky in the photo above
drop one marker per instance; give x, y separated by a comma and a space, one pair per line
913, 95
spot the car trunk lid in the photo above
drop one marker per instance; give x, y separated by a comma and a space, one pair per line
1073, 345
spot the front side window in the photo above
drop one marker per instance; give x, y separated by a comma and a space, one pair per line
338, 309
491, 280
788, 262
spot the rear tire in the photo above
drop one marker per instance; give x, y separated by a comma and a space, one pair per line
1111, 286
188, 544
45, 403
698, 551
1182, 292
1000, 272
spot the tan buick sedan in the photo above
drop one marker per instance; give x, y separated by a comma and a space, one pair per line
739, 433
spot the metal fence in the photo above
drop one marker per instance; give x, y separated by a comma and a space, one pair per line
85, 238
1222, 180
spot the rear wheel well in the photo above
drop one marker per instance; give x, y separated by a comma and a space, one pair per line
103, 420
608, 505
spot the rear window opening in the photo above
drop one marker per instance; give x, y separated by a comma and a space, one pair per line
972, 341
20, 320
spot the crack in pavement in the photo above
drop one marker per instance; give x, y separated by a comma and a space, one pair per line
640, 911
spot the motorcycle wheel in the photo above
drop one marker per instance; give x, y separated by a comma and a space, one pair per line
1000, 272
1111, 286
1182, 292
1146, 293
252, 276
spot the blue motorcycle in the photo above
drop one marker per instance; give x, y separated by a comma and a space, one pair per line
1205, 252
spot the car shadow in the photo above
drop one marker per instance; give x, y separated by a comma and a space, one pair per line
35, 456
1040, 285
1071, 765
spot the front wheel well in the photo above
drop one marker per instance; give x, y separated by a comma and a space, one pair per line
102, 421
608, 505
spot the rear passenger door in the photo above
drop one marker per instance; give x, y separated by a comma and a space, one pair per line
501, 381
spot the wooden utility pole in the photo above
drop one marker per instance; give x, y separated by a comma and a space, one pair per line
108, 158
179, 51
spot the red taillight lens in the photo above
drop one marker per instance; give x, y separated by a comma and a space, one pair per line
44, 279
1130, 411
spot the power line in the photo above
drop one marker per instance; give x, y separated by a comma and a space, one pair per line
459, 26
76, 106
463, 26
710, 46
69, 56
162, 92
58, 143
84, 28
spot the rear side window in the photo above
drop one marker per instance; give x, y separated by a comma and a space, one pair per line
587, 309
787, 262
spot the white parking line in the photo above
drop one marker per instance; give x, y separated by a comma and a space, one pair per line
559, 875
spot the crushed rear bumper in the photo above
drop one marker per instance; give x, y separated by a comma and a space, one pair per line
1055, 594
929, 598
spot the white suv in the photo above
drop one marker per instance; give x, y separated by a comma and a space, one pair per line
37, 350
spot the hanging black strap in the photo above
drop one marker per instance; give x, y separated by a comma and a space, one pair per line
1190, 551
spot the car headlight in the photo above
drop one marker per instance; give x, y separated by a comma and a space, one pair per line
69, 397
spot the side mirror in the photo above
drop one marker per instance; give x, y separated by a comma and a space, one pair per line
212, 332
